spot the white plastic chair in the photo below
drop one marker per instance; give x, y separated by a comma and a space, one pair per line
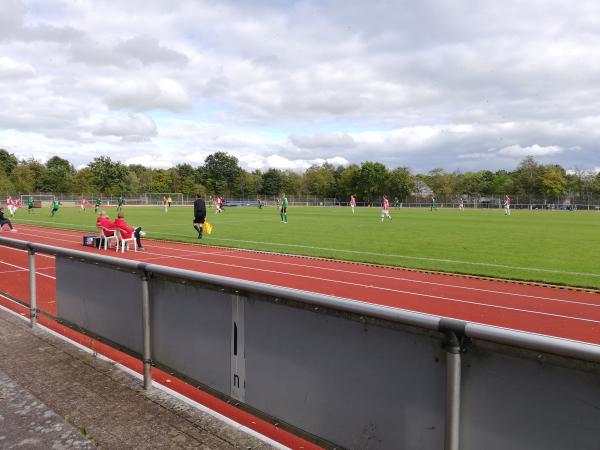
103, 235
124, 242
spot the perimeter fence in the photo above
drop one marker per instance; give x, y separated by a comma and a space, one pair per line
343, 374
569, 203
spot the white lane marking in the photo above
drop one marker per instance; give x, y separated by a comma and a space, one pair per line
359, 252
27, 268
410, 280
398, 291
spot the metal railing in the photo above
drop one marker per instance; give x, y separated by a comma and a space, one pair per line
453, 332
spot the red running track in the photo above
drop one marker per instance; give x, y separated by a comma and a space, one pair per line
565, 313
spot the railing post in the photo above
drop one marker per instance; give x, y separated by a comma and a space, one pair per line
453, 350
147, 353
32, 289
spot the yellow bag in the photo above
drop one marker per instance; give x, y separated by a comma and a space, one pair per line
207, 227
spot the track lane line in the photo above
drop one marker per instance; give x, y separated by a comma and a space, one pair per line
409, 280
398, 291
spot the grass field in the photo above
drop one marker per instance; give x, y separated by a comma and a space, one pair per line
548, 246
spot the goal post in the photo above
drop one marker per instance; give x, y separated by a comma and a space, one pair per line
156, 198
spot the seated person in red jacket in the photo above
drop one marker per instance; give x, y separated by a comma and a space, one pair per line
104, 222
127, 230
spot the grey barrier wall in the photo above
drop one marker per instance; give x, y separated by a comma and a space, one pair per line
521, 400
346, 374
103, 301
360, 385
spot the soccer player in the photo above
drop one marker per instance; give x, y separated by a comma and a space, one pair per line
352, 203
218, 204
11, 206
165, 204
55, 205
169, 201
30, 205
199, 214
385, 209
433, 203
283, 210
97, 203
82, 205
5, 221
120, 202
461, 204
507, 205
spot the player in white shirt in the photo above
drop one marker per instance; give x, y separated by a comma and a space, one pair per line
352, 203
507, 205
385, 209
461, 204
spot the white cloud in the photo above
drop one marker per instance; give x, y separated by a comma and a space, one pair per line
532, 150
134, 127
423, 84
10, 68
142, 94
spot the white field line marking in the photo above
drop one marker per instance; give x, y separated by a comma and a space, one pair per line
391, 255
351, 272
398, 291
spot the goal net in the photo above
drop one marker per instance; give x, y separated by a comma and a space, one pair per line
156, 198
39, 200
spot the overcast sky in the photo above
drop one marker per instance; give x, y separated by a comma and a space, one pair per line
447, 83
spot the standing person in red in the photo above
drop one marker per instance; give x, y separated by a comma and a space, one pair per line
385, 209
127, 230
352, 203
507, 205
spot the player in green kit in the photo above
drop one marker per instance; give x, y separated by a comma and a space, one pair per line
120, 202
30, 205
433, 205
283, 210
98, 203
55, 205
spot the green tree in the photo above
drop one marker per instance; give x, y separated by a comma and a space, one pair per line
348, 181
502, 184
292, 183
220, 171
554, 181
56, 179
83, 181
6, 186
109, 177
372, 179
272, 182
23, 178
401, 183
8, 162
320, 181
529, 176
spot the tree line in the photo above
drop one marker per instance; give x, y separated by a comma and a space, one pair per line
221, 174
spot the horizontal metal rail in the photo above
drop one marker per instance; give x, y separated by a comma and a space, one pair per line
531, 341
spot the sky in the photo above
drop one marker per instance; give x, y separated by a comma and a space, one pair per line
462, 85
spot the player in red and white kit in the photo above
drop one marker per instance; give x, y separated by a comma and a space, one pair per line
352, 203
385, 210
218, 204
461, 204
82, 205
507, 205
11, 205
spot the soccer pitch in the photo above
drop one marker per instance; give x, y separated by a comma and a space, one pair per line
547, 246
